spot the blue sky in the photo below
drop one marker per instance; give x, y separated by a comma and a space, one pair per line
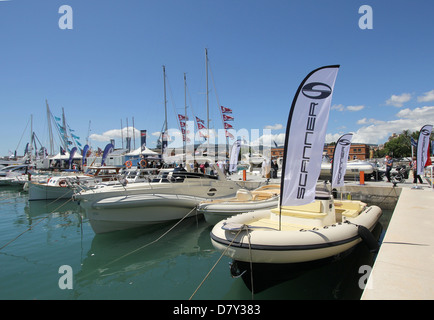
108, 68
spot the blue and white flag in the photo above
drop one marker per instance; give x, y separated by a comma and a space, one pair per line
84, 154
413, 142
422, 148
305, 136
340, 159
71, 156
108, 149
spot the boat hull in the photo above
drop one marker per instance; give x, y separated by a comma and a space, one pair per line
126, 212
140, 204
215, 212
40, 191
261, 276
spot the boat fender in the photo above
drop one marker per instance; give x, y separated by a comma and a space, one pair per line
368, 238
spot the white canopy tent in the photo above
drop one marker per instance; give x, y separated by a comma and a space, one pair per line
65, 156
146, 152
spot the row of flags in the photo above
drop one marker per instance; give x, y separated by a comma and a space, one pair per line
63, 130
225, 118
200, 123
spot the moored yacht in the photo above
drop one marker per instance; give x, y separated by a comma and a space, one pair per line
172, 195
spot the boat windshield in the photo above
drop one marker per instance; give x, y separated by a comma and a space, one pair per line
179, 174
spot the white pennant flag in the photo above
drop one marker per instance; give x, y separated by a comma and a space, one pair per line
233, 162
422, 148
305, 136
340, 159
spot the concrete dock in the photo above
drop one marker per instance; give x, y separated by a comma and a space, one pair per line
404, 267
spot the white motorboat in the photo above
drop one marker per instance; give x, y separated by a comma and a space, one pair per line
14, 174
62, 185
353, 169
265, 197
319, 230
170, 196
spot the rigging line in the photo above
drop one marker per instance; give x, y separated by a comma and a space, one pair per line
31, 227
173, 102
152, 242
221, 256
22, 135
251, 264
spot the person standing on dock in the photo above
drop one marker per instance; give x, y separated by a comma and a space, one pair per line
416, 177
389, 165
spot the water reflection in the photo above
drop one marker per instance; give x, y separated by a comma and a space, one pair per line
121, 255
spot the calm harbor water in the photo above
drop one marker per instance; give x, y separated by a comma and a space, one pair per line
39, 237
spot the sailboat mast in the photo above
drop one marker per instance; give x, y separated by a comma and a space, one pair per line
88, 133
164, 135
50, 129
65, 134
185, 113
122, 134
31, 138
207, 95
134, 136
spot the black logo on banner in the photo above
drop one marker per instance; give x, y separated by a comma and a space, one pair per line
316, 90
425, 132
344, 142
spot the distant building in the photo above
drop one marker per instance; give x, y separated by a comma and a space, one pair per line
357, 151
276, 152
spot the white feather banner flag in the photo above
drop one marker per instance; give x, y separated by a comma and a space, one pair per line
305, 136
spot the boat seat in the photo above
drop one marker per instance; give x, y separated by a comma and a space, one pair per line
349, 209
312, 210
244, 195
264, 195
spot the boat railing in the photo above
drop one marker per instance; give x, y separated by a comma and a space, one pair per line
163, 179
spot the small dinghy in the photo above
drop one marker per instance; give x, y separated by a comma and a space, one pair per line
277, 246
265, 197
315, 231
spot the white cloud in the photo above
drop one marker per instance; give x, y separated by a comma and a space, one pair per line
369, 121
341, 108
427, 97
398, 100
355, 108
377, 131
277, 126
338, 107
332, 137
115, 134
426, 114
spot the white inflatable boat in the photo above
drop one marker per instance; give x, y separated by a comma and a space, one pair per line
265, 197
319, 230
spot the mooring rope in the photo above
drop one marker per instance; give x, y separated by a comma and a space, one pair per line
251, 266
148, 244
244, 227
